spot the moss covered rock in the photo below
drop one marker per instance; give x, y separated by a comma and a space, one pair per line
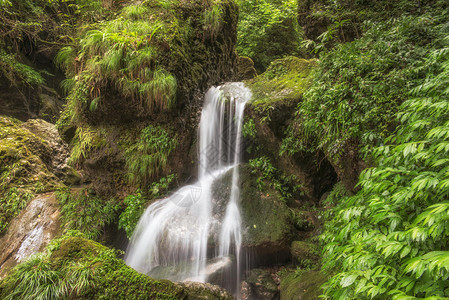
26, 168
285, 79
275, 96
153, 65
266, 219
303, 286
83, 269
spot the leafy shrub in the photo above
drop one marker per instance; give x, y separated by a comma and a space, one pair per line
359, 86
267, 30
389, 241
80, 210
249, 128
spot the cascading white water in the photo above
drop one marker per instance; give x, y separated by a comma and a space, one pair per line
172, 236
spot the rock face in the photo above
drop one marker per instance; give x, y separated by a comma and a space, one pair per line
197, 53
276, 94
266, 220
30, 232
59, 149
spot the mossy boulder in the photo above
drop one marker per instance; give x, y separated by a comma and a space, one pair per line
25, 168
302, 286
266, 220
83, 269
286, 79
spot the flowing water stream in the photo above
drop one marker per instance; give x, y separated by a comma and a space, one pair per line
174, 236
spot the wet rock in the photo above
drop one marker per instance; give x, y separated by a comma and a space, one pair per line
30, 232
302, 286
266, 220
59, 150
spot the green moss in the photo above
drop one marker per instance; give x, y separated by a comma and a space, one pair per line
75, 267
285, 79
305, 286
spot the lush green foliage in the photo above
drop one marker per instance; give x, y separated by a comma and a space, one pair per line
359, 86
136, 203
390, 239
267, 30
148, 157
83, 211
73, 267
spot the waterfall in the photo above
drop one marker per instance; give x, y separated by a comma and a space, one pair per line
172, 237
